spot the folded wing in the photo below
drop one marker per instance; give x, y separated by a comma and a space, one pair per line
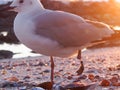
69, 30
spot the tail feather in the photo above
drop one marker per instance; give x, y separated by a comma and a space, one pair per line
114, 36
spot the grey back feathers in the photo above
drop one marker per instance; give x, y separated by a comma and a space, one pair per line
73, 31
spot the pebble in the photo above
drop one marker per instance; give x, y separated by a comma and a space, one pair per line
12, 79
105, 83
58, 87
91, 77
8, 84
1, 67
46, 71
114, 79
116, 84
77, 86
82, 76
38, 88
27, 77
45, 85
118, 67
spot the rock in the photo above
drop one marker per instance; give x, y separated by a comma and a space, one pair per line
38, 88
45, 85
8, 84
116, 84
91, 77
92, 71
118, 67
69, 77
1, 67
81, 77
114, 79
105, 83
46, 71
6, 54
26, 77
93, 87
58, 87
3, 72
12, 79
76, 86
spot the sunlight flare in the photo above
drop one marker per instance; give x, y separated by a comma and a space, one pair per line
116, 27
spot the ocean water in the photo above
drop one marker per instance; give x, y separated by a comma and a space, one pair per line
20, 50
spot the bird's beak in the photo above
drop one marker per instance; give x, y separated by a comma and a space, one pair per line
7, 8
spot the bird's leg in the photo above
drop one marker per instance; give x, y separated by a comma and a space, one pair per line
52, 70
81, 69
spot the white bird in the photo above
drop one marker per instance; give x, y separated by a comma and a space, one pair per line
55, 33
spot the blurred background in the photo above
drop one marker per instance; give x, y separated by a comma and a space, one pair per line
107, 11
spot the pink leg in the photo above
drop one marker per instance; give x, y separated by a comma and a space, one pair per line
52, 69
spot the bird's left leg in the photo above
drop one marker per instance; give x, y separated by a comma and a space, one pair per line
52, 70
81, 69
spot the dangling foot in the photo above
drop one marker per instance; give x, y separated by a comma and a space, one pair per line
81, 69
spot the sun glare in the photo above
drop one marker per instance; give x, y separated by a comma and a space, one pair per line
118, 0
116, 27
73, 0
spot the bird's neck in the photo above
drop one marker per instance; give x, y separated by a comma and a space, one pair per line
37, 3
36, 6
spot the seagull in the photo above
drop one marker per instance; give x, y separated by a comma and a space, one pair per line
56, 33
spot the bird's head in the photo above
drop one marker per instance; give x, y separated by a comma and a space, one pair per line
25, 5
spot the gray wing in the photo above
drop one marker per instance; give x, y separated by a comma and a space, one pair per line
69, 30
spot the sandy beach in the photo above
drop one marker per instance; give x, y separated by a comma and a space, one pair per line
100, 65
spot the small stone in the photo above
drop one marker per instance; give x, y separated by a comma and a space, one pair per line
12, 79
76, 86
41, 64
83, 77
46, 71
69, 77
3, 72
58, 87
105, 82
8, 84
1, 67
118, 67
91, 77
116, 84
27, 77
37, 88
92, 71
111, 88
97, 77
28, 69
45, 85
114, 79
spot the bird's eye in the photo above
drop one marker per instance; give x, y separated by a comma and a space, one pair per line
21, 1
